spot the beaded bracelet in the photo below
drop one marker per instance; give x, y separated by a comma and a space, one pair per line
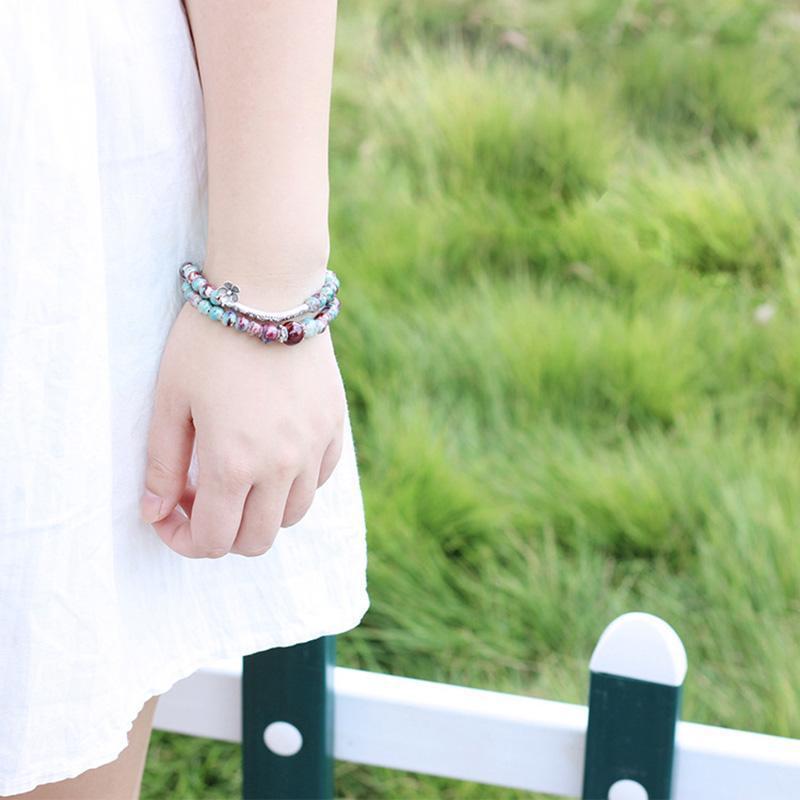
287, 327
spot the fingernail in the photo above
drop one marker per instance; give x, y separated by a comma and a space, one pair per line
150, 506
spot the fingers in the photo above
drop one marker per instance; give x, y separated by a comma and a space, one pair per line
301, 495
227, 512
215, 513
261, 519
330, 459
271, 506
169, 451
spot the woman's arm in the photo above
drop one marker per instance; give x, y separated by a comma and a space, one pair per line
266, 69
268, 426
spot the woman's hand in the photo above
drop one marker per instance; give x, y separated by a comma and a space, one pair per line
268, 419
269, 422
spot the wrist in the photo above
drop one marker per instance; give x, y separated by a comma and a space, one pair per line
276, 280
289, 326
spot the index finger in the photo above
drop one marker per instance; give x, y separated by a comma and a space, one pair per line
216, 513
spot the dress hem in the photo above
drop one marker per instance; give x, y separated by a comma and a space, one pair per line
297, 634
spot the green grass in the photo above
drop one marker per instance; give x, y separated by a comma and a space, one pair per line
571, 231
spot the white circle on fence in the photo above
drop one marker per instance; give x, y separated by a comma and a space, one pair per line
627, 790
283, 738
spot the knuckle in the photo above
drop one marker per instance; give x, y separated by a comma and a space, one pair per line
254, 541
235, 474
286, 465
159, 467
209, 546
230, 472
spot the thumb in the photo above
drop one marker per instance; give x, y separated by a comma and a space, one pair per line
169, 451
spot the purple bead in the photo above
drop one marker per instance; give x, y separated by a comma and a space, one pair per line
229, 318
296, 332
255, 328
270, 332
242, 324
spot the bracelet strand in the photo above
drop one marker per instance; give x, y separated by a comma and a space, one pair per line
308, 319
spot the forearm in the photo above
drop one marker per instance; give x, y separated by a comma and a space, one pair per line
266, 69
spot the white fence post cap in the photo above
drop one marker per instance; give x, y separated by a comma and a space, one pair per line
641, 646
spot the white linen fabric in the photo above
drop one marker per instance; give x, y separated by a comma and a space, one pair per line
102, 197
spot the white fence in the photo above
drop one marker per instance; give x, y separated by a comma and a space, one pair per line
489, 737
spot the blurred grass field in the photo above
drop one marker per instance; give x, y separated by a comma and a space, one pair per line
570, 231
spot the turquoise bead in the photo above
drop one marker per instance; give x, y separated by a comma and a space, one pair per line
198, 284
229, 318
204, 306
216, 313
214, 297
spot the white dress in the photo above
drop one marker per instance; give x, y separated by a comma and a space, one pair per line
103, 194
